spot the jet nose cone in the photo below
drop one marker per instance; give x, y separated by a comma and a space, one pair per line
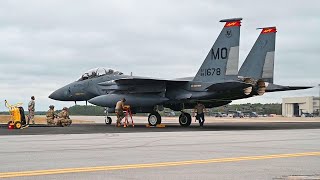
56, 95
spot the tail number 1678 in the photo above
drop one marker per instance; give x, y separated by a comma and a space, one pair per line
210, 72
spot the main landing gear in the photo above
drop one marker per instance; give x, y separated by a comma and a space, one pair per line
154, 119
185, 119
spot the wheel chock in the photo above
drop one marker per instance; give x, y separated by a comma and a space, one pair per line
157, 126
160, 125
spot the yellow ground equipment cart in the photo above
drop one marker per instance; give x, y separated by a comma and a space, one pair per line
17, 117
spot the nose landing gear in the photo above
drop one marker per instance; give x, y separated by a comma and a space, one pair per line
107, 118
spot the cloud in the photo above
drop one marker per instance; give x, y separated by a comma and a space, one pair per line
47, 44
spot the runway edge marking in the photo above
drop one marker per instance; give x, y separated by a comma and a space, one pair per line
151, 165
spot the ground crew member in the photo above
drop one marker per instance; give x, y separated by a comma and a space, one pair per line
51, 115
31, 109
199, 109
119, 111
64, 119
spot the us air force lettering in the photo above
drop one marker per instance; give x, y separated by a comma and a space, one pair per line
216, 83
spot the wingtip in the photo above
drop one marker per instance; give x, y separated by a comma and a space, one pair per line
301, 87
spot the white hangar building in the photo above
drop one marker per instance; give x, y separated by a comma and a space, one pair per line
295, 106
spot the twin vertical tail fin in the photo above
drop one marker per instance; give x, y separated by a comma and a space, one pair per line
259, 64
221, 63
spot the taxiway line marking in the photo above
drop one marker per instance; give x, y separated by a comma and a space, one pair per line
151, 165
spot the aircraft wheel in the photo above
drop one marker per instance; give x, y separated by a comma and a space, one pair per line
154, 118
17, 125
185, 119
108, 120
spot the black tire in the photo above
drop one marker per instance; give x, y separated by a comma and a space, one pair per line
185, 119
17, 125
108, 120
23, 117
154, 118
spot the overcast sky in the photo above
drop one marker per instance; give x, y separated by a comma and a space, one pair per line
47, 44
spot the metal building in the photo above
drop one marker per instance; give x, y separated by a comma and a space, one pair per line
297, 106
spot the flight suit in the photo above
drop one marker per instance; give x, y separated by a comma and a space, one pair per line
31, 108
64, 119
199, 108
119, 112
50, 117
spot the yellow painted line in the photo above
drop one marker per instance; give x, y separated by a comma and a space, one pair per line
151, 165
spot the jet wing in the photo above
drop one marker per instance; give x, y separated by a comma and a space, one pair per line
138, 84
143, 80
231, 85
274, 88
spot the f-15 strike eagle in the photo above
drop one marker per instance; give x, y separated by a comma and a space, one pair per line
216, 83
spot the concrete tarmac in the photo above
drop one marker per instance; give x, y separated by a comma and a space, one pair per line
253, 154
170, 127
242, 150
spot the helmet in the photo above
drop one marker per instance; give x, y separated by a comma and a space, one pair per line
123, 99
65, 108
51, 106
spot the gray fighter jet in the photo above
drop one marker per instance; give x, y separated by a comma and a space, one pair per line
216, 83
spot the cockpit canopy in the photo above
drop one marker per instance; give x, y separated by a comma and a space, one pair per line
96, 72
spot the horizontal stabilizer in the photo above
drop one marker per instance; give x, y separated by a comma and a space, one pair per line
274, 88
